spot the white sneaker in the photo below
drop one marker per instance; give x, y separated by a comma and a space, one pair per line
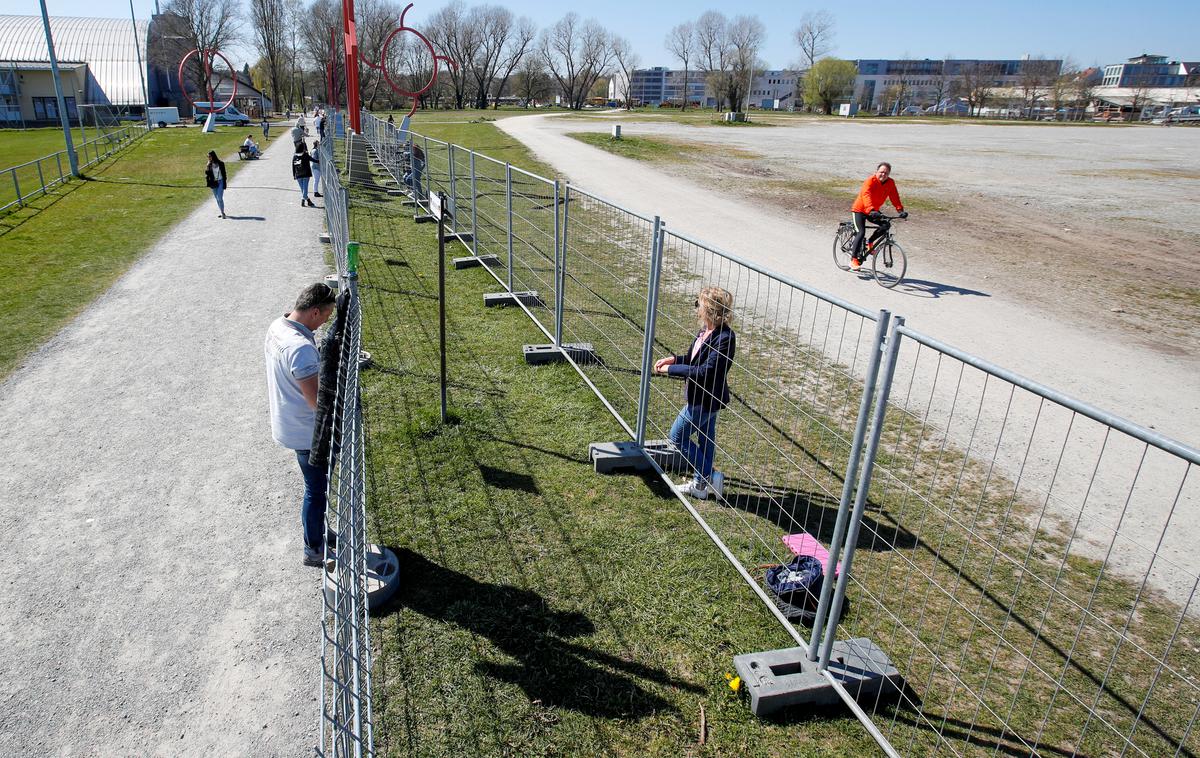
718, 484
695, 489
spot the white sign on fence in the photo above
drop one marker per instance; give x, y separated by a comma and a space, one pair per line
435, 205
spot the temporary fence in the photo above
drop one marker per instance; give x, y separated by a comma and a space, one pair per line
346, 721
22, 183
1021, 557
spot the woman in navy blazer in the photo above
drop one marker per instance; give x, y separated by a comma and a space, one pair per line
705, 367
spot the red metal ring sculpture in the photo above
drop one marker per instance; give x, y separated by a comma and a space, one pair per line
382, 65
206, 58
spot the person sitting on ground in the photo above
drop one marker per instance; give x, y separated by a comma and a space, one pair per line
249, 146
705, 367
875, 191
293, 366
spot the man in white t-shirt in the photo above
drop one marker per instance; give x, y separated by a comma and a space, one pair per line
292, 370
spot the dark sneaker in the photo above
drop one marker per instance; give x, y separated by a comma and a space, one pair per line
314, 557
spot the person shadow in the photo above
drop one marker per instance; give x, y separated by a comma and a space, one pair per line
246, 218
926, 288
549, 666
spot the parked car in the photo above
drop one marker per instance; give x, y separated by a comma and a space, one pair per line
227, 115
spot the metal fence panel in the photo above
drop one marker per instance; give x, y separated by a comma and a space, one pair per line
345, 702
1024, 559
1028, 563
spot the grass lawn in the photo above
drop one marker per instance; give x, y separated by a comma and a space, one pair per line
21, 145
625, 616
67, 248
546, 610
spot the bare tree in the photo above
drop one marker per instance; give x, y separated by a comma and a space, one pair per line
627, 61
492, 25
451, 31
1037, 76
374, 21
576, 53
745, 39
815, 36
268, 19
294, 10
944, 86
1084, 91
531, 82
711, 34
196, 24
1139, 85
319, 27
520, 45
979, 79
682, 43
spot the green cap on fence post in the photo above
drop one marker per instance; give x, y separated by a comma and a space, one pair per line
352, 257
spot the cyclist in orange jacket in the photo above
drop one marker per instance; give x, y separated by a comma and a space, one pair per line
875, 191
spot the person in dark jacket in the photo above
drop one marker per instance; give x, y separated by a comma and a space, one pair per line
302, 172
705, 368
214, 178
315, 159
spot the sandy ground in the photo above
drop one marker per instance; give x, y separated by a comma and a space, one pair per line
950, 298
1012, 301
155, 603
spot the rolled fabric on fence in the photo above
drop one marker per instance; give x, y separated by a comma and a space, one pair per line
327, 386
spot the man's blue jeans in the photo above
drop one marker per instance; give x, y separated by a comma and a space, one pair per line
695, 421
312, 512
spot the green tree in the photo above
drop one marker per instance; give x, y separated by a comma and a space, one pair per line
829, 80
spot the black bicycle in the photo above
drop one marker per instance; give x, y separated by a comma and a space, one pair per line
888, 261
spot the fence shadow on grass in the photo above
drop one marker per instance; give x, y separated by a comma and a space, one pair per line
816, 513
549, 667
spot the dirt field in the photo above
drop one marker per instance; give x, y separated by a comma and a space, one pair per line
1096, 223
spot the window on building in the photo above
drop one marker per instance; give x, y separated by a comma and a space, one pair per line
46, 108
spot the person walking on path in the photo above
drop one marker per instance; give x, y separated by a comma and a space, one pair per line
315, 159
214, 178
302, 172
266, 127
293, 365
298, 132
705, 368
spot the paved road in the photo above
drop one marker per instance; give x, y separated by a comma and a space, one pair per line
155, 602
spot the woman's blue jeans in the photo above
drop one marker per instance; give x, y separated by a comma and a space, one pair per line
303, 182
219, 193
694, 421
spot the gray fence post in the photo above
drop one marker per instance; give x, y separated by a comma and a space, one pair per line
17, 186
508, 201
656, 248
864, 485
41, 178
453, 196
839, 528
474, 218
558, 271
427, 185
58, 159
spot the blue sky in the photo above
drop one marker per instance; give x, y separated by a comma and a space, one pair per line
1089, 32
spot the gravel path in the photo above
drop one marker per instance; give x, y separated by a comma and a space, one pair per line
156, 604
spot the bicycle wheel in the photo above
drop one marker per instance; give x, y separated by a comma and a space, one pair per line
841, 247
888, 264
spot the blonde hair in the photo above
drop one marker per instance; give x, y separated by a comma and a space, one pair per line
716, 306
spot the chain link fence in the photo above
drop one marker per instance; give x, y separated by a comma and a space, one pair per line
1023, 559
